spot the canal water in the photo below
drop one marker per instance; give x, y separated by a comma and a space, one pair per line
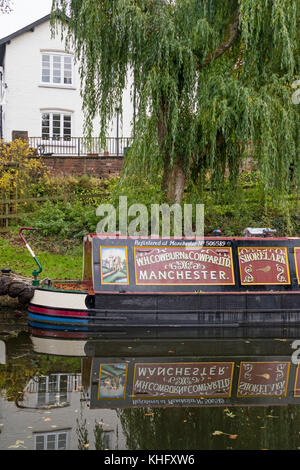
173, 389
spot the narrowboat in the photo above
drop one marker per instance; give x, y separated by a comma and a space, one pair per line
176, 282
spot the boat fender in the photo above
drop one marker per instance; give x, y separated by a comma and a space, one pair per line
90, 301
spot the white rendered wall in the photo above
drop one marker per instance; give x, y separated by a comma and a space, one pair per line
26, 96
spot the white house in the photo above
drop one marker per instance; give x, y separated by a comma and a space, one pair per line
40, 93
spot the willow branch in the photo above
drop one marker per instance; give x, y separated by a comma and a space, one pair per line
196, 158
233, 32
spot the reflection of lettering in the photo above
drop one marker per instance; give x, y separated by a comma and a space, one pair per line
186, 379
263, 379
180, 371
280, 371
296, 354
154, 388
246, 388
248, 368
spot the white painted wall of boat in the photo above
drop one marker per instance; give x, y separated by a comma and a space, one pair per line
55, 299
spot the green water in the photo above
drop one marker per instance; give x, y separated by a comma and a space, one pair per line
49, 392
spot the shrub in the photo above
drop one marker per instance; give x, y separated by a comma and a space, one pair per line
18, 167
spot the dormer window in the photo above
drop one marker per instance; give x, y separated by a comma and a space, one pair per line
57, 69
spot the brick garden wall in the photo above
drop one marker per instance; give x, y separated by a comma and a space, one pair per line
103, 167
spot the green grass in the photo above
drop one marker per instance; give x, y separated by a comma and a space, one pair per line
55, 265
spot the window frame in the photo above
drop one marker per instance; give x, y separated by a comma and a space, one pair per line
62, 137
56, 434
62, 69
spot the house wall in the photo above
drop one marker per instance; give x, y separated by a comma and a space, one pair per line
19, 426
26, 96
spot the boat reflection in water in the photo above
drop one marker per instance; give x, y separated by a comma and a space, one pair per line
181, 367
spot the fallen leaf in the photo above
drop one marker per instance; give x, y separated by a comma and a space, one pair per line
231, 436
229, 413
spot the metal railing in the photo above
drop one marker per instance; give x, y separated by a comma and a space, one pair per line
80, 146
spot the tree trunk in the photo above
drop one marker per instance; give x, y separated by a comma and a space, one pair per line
174, 178
176, 182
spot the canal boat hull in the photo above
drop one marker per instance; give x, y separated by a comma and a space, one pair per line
50, 307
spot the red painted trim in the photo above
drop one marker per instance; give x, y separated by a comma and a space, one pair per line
57, 334
58, 312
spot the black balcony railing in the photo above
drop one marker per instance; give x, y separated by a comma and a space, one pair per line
80, 146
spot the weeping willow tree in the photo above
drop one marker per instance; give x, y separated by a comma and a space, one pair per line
212, 83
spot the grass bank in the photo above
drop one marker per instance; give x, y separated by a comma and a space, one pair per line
62, 223
58, 262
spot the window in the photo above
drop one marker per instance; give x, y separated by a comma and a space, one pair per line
56, 125
52, 440
53, 390
57, 69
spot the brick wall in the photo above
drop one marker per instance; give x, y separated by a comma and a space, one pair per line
102, 167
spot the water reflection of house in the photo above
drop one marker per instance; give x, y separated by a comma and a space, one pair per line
52, 409
53, 390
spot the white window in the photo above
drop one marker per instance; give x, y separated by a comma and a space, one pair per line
52, 440
57, 69
56, 125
